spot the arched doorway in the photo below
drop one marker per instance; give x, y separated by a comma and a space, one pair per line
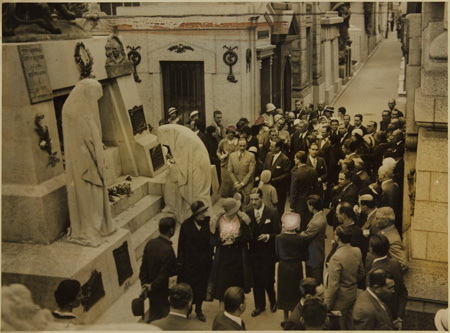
287, 85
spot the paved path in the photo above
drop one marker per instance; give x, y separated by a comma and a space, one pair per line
367, 93
375, 83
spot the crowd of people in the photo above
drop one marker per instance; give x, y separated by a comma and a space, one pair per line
328, 171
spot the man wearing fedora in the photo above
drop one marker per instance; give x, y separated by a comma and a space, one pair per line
195, 254
265, 225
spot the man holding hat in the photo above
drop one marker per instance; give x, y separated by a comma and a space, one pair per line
173, 117
195, 254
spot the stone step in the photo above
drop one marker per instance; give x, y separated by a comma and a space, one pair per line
139, 213
146, 232
139, 187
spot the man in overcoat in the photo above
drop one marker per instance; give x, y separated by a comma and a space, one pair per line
195, 254
265, 225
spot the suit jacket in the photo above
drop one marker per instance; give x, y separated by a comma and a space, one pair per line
223, 323
345, 269
362, 128
315, 236
369, 315
177, 323
346, 136
321, 167
298, 144
242, 170
397, 303
270, 224
303, 183
396, 249
158, 264
219, 134
280, 171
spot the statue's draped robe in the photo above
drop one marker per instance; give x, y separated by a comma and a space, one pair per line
189, 178
89, 211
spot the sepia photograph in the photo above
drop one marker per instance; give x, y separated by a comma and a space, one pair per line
211, 166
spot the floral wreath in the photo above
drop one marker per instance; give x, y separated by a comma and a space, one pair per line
84, 64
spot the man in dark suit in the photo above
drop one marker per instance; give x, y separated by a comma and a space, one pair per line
370, 312
358, 123
298, 139
344, 191
303, 183
344, 134
379, 258
315, 236
265, 225
279, 166
180, 300
391, 194
391, 104
318, 164
347, 124
158, 264
195, 254
386, 120
230, 319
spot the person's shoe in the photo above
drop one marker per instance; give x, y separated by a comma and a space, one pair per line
201, 316
257, 312
282, 324
273, 307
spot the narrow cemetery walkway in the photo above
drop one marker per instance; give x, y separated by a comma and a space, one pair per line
375, 83
366, 93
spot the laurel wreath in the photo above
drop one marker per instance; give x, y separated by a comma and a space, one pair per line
86, 68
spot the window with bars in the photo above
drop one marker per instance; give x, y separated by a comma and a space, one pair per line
110, 7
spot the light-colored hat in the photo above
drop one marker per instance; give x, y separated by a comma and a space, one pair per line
290, 221
231, 206
253, 149
296, 122
441, 320
358, 131
172, 110
265, 176
198, 207
193, 113
277, 117
270, 107
231, 128
329, 109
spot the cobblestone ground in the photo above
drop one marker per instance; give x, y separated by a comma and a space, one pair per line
367, 93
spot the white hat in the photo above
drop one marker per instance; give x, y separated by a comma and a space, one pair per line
193, 113
441, 320
290, 221
277, 117
270, 107
253, 149
358, 131
296, 121
172, 110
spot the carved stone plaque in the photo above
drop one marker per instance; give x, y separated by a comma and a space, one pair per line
92, 290
123, 264
157, 157
35, 71
137, 118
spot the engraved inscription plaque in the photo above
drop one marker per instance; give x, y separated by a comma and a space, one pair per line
157, 157
92, 290
123, 264
35, 71
137, 118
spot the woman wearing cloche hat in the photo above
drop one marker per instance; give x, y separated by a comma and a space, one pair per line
291, 249
231, 234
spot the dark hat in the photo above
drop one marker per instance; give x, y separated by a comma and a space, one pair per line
198, 207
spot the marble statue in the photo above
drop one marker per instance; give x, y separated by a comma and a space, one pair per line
189, 175
89, 211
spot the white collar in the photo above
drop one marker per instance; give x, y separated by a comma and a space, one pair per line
275, 156
66, 314
178, 314
386, 181
376, 298
371, 213
387, 229
237, 320
378, 259
317, 213
259, 210
196, 132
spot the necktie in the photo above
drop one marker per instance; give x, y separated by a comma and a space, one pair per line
257, 217
243, 325
314, 163
240, 156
